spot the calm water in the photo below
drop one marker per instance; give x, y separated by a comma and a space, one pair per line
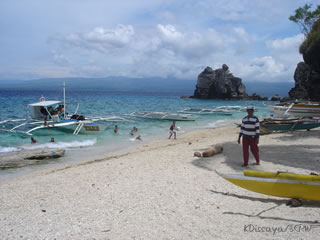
14, 105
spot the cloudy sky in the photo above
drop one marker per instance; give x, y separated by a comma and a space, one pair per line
144, 38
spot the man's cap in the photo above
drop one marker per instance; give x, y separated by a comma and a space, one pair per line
250, 108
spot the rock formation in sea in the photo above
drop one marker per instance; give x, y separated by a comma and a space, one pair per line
276, 97
219, 84
307, 74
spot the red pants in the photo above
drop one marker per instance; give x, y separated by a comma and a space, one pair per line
252, 142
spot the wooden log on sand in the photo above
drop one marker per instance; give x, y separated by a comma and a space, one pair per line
210, 152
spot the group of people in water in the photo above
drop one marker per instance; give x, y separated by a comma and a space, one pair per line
134, 130
33, 140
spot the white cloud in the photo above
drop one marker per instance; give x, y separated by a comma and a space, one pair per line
101, 39
286, 44
191, 45
59, 58
156, 38
286, 50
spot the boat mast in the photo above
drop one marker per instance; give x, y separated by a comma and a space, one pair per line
64, 99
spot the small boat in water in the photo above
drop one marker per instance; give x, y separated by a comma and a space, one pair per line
163, 116
296, 109
233, 108
205, 111
289, 124
53, 115
279, 184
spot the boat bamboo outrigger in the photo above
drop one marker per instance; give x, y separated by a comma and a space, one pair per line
206, 111
163, 116
296, 109
47, 114
289, 124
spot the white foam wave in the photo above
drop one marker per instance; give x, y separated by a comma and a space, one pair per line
8, 149
219, 123
74, 144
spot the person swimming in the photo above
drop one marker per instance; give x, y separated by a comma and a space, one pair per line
133, 131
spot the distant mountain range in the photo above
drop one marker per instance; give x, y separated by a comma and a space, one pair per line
154, 85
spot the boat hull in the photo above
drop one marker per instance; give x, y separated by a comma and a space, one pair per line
307, 190
296, 111
290, 126
88, 128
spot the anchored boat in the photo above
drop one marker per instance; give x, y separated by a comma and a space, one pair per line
52, 114
279, 184
289, 124
296, 109
206, 111
163, 116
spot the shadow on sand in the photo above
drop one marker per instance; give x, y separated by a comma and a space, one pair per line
296, 156
292, 156
278, 202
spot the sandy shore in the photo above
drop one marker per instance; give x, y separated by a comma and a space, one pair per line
160, 190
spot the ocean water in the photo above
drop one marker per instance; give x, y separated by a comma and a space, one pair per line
98, 103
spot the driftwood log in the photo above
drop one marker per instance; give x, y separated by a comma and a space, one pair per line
210, 152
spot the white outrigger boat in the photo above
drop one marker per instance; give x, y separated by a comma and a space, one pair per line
205, 111
52, 114
296, 109
163, 116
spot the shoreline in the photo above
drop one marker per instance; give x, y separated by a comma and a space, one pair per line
159, 190
80, 155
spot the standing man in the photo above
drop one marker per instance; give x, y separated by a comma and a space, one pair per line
250, 132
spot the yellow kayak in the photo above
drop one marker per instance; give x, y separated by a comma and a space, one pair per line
288, 185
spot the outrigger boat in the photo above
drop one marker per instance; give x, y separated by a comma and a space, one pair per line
163, 116
289, 124
234, 108
205, 111
52, 114
279, 184
296, 109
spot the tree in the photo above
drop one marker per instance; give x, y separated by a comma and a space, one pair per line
305, 18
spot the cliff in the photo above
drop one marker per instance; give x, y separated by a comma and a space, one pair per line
307, 74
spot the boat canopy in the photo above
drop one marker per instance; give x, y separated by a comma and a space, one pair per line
44, 103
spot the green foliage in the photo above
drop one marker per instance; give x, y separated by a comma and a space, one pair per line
310, 48
305, 18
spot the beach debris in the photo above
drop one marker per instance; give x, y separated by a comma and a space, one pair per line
294, 202
197, 154
209, 152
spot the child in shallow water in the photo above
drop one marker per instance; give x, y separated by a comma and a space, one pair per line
173, 130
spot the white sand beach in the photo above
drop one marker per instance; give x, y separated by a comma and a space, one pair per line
159, 190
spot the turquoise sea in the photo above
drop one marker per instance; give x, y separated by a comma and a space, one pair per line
101, 103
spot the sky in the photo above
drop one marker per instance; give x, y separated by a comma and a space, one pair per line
149, 38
